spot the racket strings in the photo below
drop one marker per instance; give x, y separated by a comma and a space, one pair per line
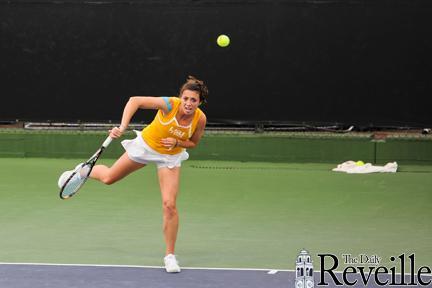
81, 173
76, 181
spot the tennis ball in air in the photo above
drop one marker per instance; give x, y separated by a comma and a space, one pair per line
223, 40
359, 163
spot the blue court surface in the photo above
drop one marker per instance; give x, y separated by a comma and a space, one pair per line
34, 275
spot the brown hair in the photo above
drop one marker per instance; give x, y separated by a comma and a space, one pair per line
196, 85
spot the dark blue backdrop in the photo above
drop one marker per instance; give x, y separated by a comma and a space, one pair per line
352, 62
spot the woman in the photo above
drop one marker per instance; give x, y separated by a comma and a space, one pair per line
179, 124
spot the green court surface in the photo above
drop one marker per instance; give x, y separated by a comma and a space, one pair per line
233, 214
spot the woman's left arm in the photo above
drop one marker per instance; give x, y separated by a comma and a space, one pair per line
196, 137
193, 141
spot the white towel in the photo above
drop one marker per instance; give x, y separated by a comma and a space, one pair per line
351, 167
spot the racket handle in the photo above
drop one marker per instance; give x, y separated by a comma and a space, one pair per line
107, 142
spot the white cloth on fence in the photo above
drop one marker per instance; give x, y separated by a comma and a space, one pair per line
351, 167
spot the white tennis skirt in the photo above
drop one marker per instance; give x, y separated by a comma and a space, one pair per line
140, 152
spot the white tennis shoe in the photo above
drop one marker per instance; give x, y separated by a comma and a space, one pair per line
65, 175
171, 264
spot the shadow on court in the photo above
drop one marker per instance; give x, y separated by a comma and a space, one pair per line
70, 276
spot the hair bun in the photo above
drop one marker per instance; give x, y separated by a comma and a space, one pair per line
191, 78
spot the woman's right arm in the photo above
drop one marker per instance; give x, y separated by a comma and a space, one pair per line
135, 103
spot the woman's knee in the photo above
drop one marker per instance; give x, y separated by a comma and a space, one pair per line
108, 179
169, 208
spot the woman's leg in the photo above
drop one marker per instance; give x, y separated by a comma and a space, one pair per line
169, 184
121, 168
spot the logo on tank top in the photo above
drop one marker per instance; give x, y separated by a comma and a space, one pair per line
176, 132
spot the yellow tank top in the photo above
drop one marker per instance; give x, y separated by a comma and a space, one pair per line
164, 126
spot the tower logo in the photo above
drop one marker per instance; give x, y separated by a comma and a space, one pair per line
304, 270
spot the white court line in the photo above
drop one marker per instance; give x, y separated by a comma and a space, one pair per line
269, 271
140, 266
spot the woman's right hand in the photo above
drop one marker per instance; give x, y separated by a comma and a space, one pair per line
116, 132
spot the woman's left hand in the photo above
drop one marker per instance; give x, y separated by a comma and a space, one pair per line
169, 142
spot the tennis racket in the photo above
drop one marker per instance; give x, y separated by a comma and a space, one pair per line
81, 173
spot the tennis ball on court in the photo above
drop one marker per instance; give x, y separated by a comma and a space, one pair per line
359, 163
223, 40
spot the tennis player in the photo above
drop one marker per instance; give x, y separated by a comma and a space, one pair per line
178, 125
